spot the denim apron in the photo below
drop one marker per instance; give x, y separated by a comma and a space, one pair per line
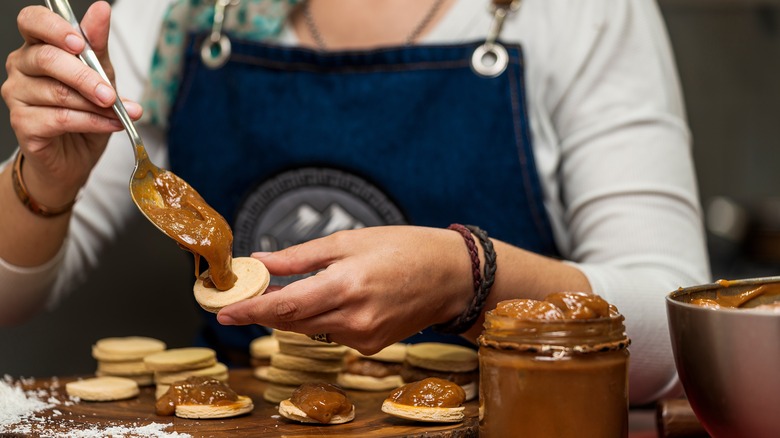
291, 144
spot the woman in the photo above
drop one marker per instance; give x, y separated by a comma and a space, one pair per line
574, 155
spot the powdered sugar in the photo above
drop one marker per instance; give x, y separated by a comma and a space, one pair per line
40, 412
16, 404
152, 430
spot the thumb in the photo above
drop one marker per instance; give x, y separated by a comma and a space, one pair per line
96, 25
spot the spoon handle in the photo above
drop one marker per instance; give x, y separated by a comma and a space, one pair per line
88, 57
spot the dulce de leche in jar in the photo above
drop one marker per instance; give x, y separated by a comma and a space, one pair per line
554, 368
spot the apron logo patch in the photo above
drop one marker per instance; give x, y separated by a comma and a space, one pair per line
304, 204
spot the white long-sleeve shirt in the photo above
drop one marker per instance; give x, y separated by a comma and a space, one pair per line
609, 137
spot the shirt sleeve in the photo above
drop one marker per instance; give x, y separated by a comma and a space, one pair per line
104, 206
625, 194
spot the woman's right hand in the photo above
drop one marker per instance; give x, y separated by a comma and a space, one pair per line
60, 109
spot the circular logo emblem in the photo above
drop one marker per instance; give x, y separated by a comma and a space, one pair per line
304, 204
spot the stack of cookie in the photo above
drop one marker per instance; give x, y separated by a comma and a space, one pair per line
299, 360
124, 357
177, 364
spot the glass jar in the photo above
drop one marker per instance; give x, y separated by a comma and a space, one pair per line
553, 378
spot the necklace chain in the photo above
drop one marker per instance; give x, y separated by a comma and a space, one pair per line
317, 36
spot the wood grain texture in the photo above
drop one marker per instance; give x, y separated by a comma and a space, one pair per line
264, 420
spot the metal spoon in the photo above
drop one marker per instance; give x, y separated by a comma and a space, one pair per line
142, 188
171, 204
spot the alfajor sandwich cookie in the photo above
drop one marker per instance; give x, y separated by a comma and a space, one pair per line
430, 400
320, 403
123, 357
451, 362
202, 397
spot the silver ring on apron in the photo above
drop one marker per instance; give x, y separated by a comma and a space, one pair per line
216, 49
490, 59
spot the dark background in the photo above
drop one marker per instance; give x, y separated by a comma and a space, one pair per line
728, 55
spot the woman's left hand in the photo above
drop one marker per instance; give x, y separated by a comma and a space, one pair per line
375, 286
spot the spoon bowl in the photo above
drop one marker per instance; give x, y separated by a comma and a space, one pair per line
143, 189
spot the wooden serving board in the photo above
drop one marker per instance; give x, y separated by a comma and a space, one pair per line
264, 420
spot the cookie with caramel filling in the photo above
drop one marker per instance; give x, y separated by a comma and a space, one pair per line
320, 403
202, 397
431, 400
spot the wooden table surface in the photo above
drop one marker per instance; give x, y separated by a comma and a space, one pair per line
73, 419
264, 420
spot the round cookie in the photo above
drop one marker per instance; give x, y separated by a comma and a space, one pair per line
431, 400
253, 279
298, 363
424, 413
263, 347
292, 377
296, 339
369, 383
181, 359
242, 406
130, 368
325, 352
107, 388
393, 353
128, 348
275, 393
218, 371
442, 357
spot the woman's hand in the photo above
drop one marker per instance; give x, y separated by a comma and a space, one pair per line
60, 109
375, 286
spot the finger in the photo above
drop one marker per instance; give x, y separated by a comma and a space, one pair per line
43, 123
96, 25
42, 60
299, 300
43, 91
303, 258
37, 24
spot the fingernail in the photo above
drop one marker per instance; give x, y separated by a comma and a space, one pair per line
260, 254
104, 93
74, 43
133, 108
226, 320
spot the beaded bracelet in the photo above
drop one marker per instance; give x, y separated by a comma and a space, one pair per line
466, 320
21, 192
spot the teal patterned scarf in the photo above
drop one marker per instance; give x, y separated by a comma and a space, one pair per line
248, 19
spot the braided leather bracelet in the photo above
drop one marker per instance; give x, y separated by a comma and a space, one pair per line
21, 192
473, 253
466, 320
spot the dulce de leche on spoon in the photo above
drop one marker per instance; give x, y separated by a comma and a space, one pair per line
166, 200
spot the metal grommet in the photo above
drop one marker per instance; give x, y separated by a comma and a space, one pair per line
489, 60
215, 53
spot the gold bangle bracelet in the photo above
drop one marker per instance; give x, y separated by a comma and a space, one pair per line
21, 192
